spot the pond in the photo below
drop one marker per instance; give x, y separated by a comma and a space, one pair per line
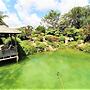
51, 70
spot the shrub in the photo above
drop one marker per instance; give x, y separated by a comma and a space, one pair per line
50, 31
40, 29
40, 46
62, 38
85, 47
5, 41
28, 47
52, 38
8, 40
54, 44
62, 45
73, 44
80, 41
40, 38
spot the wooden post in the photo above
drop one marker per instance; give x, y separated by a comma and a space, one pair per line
17, 57
11, 38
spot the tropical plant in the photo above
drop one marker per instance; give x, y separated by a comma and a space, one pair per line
2, 16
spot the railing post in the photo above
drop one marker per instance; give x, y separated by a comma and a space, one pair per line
17, 57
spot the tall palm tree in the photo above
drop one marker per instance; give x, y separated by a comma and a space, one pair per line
2, 16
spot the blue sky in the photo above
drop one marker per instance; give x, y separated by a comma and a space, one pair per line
30, 12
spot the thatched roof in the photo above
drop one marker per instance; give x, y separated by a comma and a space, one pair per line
7, 30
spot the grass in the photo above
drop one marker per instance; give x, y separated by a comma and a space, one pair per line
66, 69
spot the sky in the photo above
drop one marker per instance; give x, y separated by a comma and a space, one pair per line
29, 12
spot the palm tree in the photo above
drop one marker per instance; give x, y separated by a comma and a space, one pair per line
2, 16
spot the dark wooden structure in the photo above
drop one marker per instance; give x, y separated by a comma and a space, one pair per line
10, 51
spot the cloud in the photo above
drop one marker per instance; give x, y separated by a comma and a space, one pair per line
24, 9
2, 6
66, 5
33, 20
46, 4
12, 20
27, 12
39, 5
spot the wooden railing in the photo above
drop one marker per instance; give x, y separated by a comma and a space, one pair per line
8, 52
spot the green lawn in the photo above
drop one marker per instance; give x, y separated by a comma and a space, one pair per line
51, 70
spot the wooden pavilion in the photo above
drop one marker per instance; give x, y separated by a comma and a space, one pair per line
8, 51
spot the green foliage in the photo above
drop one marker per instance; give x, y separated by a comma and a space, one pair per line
40, 29
76, 34
51, 19
62, 38
70, 31
40, 46
85, 47
77, 17
50, 31
3, 40
2, 16
23, 34
62, 31
6, 41
57, 32
52, 38
73, 44
28, 47
26, 32
53, 44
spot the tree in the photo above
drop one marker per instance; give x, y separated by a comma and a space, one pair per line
2, 16
64, 22
86, 33
86, 26
26, 32
51, 19
71, 32
75, 17
40, 29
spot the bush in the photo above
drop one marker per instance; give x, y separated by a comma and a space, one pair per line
8, 40
85, 47
62, 38
80, 41
40, 29
5, 41
40, 38
54, 44
50, 31
62, 45
40, 46
52, 38
73, 44
28, 47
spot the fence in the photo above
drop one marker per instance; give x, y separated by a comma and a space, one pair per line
8, 52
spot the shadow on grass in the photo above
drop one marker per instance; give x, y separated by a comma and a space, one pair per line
7, 62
